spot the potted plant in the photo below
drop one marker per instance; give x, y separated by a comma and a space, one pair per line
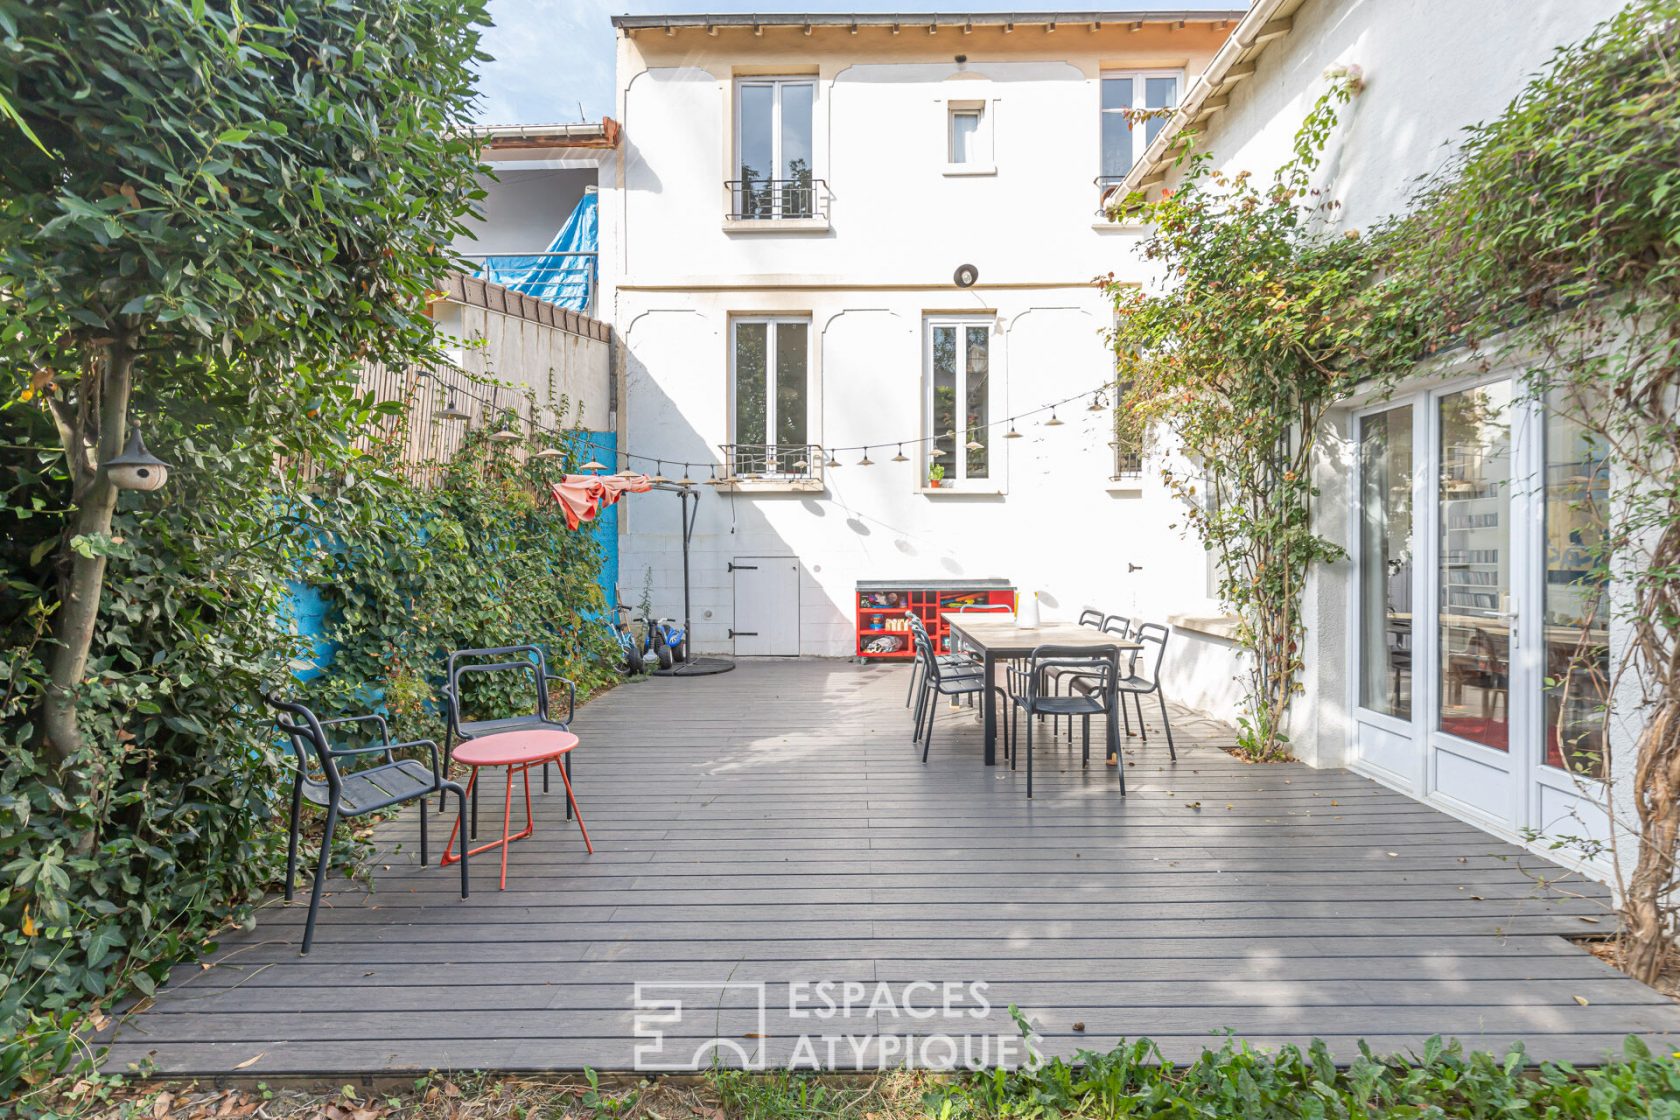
936, 476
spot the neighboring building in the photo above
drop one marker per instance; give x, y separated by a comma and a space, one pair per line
795, 196
1458, 501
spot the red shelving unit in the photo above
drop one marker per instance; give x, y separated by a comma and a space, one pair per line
887, 603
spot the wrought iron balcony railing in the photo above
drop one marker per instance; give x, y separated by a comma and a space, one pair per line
772, 462
777, 199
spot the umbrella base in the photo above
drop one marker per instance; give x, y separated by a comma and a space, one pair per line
697, 667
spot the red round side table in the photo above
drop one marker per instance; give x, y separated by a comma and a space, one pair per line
518, 751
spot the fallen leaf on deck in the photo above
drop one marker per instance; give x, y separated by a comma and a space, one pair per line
161, 1103
249, 1062
1079, 1026
1582, 1000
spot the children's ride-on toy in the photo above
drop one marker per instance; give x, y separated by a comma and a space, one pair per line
668, 641
627, 643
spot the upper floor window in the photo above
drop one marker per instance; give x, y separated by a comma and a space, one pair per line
1126, 132
773, 149
958, 405
968, 143
770, 384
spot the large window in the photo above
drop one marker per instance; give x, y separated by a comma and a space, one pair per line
1577, 624
771, 385
1385, 562
958, 406
774, 149
1126, 96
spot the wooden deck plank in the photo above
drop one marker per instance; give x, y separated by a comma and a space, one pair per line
774, 825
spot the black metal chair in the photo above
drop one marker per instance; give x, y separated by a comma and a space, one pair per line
1090, 617
951, 661
352, 794
940, 680
526, 661
1029, 696
1144, 677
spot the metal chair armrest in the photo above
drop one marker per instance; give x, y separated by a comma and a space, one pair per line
432, 749
384, 728
571, 694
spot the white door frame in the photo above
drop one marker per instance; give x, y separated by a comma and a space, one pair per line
1525, 699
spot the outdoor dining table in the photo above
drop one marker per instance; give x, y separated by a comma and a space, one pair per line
996, 636
518, 751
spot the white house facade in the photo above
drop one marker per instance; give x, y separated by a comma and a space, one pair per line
1458, 499
849, 254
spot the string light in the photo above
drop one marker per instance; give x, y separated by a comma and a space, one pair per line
866, 461
451, 411
549, 453
659, 473
974, 444
685, 480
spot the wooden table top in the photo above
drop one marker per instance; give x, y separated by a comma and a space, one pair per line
996, 633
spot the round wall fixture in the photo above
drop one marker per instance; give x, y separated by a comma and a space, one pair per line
965, 276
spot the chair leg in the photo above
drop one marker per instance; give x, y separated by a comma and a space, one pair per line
545, 777
292, 841
1125, 716
1168, 725
320, 878
1137, 703
425, 858
1029, 758
566, 765
910, 693
927, 740
460, 822
448, 755
1086, 741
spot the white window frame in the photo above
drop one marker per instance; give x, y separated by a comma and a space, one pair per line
772, 322
1138, 129
778, 85
958, 480
984, 156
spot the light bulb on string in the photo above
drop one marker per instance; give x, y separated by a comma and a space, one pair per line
658, 472
1096, 404
1054, 421
900, 457
714, 480
1012, 433
685, 480
974, 444
866, 461
833, 461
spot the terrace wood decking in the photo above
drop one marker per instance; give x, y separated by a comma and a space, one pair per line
775, 824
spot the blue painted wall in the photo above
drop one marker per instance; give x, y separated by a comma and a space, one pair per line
307, 611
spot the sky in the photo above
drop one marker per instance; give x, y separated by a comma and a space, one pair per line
552, 60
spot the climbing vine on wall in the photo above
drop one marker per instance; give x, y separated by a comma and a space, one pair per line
1255, 334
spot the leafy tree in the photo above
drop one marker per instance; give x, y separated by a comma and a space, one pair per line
224, 197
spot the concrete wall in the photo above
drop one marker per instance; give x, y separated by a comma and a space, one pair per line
898, 226
523, 208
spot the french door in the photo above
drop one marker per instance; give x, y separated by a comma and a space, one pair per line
1448, 674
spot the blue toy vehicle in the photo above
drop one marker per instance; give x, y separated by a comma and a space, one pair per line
632, 649
669, 641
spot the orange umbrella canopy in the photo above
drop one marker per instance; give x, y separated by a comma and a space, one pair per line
583, 496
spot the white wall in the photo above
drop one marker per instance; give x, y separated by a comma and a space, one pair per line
523, 208
899, 227
1431, 68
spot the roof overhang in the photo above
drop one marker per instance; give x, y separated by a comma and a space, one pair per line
513, 137
1263, 24
854, 20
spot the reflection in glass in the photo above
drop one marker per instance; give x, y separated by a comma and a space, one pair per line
750, 404
965, 136
1385, 563
975, 390
945, 398
1576, 608
791, 341
1475, 577
1116, 127
757, 148
1158, 93
796, 195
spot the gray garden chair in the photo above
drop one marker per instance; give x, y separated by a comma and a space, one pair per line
1030, 695
521, 669
318, 779
940, 680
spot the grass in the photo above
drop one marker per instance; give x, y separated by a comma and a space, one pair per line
1131, 1080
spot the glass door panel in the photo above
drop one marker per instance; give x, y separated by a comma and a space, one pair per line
1385, 563
1474, 625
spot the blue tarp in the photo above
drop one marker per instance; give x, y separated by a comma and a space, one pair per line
565, 280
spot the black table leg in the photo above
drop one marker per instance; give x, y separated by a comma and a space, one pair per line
988, 708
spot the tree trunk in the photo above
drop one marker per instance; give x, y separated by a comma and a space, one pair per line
1645, 937
96, 502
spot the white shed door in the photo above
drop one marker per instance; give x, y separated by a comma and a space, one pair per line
766, 606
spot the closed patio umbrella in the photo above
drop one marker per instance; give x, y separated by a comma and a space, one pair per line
583, 496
